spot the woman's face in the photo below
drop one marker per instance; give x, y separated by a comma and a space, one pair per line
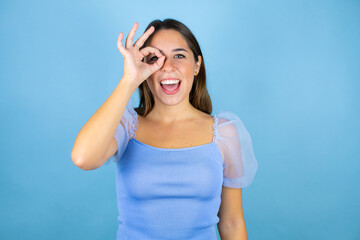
179, 64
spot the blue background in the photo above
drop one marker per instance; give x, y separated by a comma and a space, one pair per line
289, 69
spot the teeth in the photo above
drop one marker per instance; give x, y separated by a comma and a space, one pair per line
169, 81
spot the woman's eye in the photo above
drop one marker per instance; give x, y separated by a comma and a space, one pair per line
151, 59
179, 56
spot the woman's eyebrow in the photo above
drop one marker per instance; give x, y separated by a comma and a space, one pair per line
175, 50
178, 49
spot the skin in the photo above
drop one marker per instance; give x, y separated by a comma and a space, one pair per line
231, 225
169, 109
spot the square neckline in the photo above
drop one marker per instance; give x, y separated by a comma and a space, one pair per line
136, 125
172, 149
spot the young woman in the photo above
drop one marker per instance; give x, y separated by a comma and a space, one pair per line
180, 171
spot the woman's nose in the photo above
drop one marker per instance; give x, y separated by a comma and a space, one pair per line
168, 64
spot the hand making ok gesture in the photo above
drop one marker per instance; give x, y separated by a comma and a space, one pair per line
135, 69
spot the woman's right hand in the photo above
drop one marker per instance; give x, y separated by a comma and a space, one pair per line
135, 69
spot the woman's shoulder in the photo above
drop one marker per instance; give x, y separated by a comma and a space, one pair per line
230, 126
204, 116
226, 116
229, 123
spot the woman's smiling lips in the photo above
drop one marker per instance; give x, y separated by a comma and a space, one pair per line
169, 79
167, 91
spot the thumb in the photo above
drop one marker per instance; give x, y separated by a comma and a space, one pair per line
158, 64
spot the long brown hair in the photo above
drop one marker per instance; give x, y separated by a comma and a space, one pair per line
199, 96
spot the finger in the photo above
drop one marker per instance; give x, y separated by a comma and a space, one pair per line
120, 44
129, 38
158, 64
150, 50
143, 37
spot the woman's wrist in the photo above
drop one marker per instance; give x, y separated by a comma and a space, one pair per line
129, 84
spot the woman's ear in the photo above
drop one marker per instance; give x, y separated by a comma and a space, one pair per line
197, 65
199, 61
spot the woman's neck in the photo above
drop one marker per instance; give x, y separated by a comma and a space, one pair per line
170, 114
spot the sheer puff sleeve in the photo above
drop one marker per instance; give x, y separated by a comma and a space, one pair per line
124, 131
235, 145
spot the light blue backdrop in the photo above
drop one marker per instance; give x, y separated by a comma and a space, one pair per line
289, 69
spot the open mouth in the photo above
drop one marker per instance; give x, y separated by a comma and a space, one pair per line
170, 86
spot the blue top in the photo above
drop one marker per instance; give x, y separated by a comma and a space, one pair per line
175, 193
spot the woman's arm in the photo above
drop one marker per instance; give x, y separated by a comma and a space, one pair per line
95, 136
231, 225
94, 139
235, 232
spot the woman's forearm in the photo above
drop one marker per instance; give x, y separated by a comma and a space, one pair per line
95, 136
233, 232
